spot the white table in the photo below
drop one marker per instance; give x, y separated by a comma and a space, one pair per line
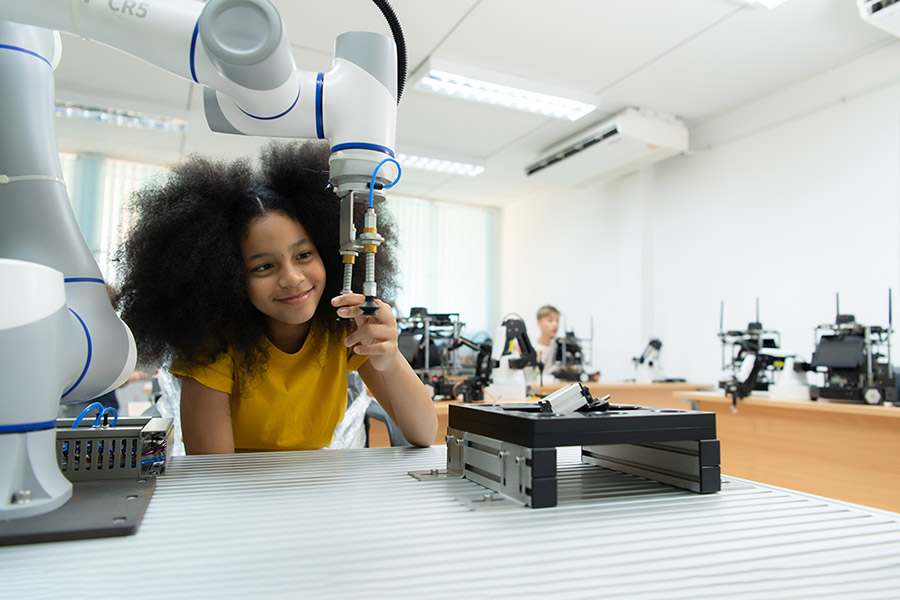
353, 524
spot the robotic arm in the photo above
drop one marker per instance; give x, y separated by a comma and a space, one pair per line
472, 388
650, 354
489, 355
59, 336
647, 364
514, 329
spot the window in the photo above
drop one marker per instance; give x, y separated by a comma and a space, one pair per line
446, 259
100, 189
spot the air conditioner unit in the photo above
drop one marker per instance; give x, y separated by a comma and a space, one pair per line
884, 14
627, 142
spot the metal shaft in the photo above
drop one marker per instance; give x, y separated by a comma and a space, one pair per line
348, 278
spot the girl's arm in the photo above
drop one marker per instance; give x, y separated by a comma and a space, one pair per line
205, 419
387, 374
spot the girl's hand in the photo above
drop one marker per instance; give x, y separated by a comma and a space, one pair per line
375, 335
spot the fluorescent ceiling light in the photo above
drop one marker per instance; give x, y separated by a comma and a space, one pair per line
451, 167
770, 4
121, 118
482, 87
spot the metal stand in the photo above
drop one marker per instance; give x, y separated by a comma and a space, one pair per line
511, 448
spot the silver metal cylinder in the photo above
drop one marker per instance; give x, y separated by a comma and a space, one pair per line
348, 278
370, 267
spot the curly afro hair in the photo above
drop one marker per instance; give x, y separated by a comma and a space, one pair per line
183, 282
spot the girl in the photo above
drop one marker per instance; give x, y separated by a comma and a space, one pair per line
236, 276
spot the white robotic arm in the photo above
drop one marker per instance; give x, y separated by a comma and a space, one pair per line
59, 336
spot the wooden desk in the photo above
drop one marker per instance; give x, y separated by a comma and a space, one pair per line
846, 451
642, 394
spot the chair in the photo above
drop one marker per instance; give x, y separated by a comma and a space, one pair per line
356, 391
375, 411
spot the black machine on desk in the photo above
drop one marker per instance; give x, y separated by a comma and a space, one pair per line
569, 360
471, 388
423, 339
855, 360
511, 448
750, 357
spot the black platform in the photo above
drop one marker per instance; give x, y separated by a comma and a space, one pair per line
526, 425
511, 448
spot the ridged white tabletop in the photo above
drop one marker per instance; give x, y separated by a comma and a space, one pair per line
353, 524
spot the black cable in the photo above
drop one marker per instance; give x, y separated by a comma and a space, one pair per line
399, 40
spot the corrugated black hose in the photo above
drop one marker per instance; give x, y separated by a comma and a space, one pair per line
388, 12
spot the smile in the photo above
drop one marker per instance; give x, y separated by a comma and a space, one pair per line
298, 299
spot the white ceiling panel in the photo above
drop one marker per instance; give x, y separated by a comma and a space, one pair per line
581, 44
748, 55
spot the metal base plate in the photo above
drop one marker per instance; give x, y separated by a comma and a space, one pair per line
489, 501
97, 509
434, 474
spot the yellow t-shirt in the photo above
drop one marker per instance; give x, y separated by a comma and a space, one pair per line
295, 404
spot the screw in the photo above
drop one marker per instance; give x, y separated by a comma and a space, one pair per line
21, 497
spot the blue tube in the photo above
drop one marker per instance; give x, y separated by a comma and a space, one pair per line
375, 172
86, 410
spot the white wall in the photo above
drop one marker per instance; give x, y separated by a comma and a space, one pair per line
790, 200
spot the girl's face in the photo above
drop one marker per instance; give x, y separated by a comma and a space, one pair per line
285, 274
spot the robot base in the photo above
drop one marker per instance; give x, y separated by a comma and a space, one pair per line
97, 509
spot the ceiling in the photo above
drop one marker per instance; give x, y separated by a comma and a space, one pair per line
694, 59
